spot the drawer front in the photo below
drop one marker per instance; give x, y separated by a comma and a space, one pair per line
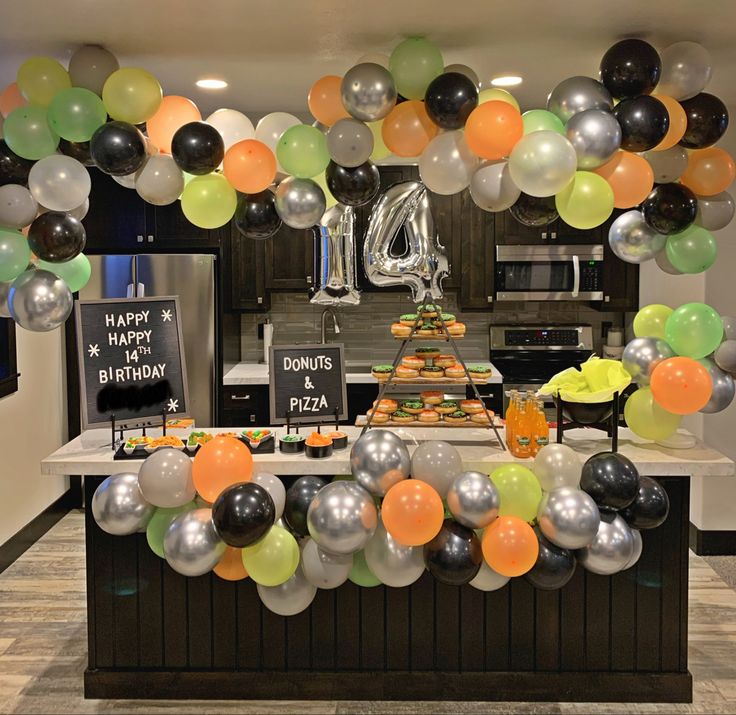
241, 398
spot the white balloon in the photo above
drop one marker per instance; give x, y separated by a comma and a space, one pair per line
557, 465
543, 163
289, 598
233, 126
160, 181
323, 569
447, 164
275, 487
667, 165
59, 182
492, 187
18, 208
127, 181
488, 580
271, 128
686, 70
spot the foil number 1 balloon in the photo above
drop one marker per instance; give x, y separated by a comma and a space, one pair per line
424, 264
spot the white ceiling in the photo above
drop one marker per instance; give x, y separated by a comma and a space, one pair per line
271, 51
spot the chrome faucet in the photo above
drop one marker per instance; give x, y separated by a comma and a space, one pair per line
323, 323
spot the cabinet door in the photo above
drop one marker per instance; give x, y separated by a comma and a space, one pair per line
477, 255
448, 214
245, 406
292, 259
168, 225
560, 232
249, 272
509, 232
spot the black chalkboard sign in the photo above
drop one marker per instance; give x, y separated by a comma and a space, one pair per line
131, 361
307, 382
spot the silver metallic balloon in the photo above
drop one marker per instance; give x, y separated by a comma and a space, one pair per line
289, 598
729, 327
18, 208
638, 547
191, 544
349, 142
335, 251
642, 355
322, 569
715, 212
488, 580
118, 506
342, 517
568, 517
275, 488
576, 94
725, 356
595, 135
473, 499
4, 294
667, 165
633, 240
424, 264
437, 463
165, 478
542, 163
464, 70
664, 264
393, 563
368, 92
611, 549
724, 387
300, 203
686, 70
557, 465
39, 301
492, 187
378, 460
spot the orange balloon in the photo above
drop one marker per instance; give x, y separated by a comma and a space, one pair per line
630, 176
493, 128
325, 102
220, 463
678, 123
230, 566
412, 512
681, 385
11, 99
407, 128
249, 166
709, 171
172, 113
510, 546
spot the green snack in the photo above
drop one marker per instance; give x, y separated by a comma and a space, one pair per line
433, 368
413, 404
427, 350
401, 413
479, 368
382, 368
408, 316
447, 403
293, 438
446, 317
458, 414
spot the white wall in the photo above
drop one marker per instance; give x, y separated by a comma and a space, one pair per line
32, 425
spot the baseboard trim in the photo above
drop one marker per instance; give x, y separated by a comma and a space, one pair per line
20, 542
706, 542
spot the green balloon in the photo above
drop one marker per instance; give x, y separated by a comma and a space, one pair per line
160, 522
414, 63
360, 574
540, 120
15, 254
693, 250
302, 151
519, 491
75, 273
75, 114
694, 330
28, 134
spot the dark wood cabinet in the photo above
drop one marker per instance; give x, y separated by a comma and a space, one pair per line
292, 259
248, 272
245, 406
509, 232
477, 255
620, 279
168, 224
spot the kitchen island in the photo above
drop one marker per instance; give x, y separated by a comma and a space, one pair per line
155, 633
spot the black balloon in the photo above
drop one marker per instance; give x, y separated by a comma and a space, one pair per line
118, 148
534, 211
56, 237
670, 208
610, 479
14, 169
353, 186
255, 215
630, 68
197, 148
707, 120
555, 566
449, 100
454, 556
644, 122
77, 150
298, 498
650, 508
243, 513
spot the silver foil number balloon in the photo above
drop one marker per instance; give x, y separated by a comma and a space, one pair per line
576, 94
368, 91
165, 478
568, 517
557, 465
724, 387
642, 355
611, 549
300, 203
335, 251
119, 507
39, 301
191, 544
378, 460
473, 499
424, 265
595, 134
393, 563
322, 569
289, 598
633, 240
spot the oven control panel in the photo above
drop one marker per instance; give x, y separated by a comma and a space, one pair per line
540, 337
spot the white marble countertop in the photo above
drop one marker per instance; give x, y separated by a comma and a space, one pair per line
90, 453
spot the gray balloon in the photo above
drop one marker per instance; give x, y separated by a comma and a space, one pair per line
289, 598
165, 478
488, 580
492, 188
437, 463
568, 517
300, 203
160, 182
118, 506
18, 208
349, 142
4, 293
667, 165
275, 488
368, 91
473, 499
378, 460
686, 70
664, 264
393, 563
596, 136
611, 549
576, 94
342, 517
127, 181
725, 356
464, 70
322, 569
642, 355
715, 212
633, 240
191, 544
729, 327
638, 547
39, 301
557, 465
724, 387
90, 66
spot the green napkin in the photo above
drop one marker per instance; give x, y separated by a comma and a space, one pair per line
596, 381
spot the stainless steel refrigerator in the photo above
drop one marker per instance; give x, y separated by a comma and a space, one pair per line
192, 278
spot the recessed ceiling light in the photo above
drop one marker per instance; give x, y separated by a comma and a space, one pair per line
506, 81
211, 83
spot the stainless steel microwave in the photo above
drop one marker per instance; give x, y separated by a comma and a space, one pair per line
569, 272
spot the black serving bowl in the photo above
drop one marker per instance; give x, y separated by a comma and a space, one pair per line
587, 413
319, 452
291, 447
340, 442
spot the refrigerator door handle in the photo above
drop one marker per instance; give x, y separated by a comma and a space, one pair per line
129, 291
141, 290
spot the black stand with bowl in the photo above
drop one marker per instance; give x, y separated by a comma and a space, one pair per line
594, 415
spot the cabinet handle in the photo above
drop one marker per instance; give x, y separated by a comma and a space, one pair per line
240, 397
259, 300
606, 298
553, 235
489, 299
139, 239
309, 280
150, 238
544, 235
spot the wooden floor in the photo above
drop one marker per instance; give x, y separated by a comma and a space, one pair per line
43, 647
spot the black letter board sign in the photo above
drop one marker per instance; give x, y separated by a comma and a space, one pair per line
308, 382
131, 361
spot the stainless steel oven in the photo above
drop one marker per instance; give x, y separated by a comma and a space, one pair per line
549, 272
